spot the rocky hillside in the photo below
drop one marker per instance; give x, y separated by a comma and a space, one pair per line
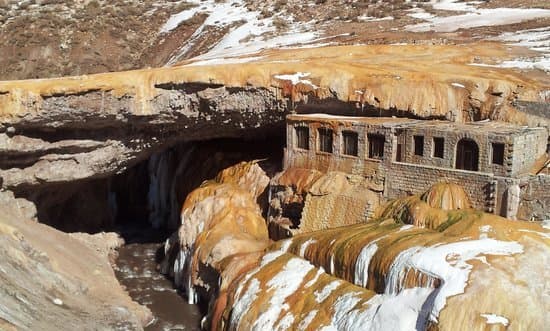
57, 281
48, 38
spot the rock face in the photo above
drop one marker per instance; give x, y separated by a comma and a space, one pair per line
459, 255
286, 292
92, 134
423, 262
218, 220
88, 127
304, 200
56, 281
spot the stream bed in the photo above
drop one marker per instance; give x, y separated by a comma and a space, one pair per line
136, 270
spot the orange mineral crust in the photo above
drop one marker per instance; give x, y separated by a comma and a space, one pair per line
425, 80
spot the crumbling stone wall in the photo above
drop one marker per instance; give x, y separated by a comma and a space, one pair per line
535, 199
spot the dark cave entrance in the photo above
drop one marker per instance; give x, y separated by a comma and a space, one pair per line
143, 202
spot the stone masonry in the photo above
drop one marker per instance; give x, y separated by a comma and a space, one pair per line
491, 160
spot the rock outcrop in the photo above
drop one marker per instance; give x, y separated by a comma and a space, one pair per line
459, 255
304, 200
423, 262
219, 219
59, 130
56, 281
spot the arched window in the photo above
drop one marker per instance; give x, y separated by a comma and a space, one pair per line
467, 155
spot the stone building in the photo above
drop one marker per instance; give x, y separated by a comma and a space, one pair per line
497, 163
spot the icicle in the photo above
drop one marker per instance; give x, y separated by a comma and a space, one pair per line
268, 201
395, 278
361, 276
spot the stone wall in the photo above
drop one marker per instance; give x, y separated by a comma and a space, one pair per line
407, 179
535, 199
451, 140
527, 149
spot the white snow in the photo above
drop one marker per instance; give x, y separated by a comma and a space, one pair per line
285, 245
320, 271
473, 16
297, 78
242, 305
542, 234
405, 227
534, 39
447, 262
495, 319
458, 85
175, 20
361, 275
57, 301
419, 13
304, 246
248, 32
546, 224
365, 18
384, 312
541, 63
320, 296
282, 285
307, 320
485, 229
230, 60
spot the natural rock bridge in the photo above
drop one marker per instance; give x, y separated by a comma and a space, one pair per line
76, 129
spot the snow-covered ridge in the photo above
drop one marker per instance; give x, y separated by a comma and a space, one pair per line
472, 16
249, 32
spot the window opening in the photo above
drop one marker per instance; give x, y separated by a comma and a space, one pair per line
419, 145
325, 140
439, 147
302, 137
376, 146
350, 143
498, 153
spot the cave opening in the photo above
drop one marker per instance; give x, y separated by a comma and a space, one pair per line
143, 203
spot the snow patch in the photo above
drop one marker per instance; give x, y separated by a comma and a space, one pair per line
384, 312
225, 61
320, 296
304, 246
304, 323
447, 262
534, 39
175, 20
361, 275
244, 302
485, 229
541, 63
473, 16
296, 78
419, 13
405, 227
365, 18
320, 271
458, 85
282, 285
248, 32
495, 319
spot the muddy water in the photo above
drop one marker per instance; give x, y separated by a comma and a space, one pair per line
136, 270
